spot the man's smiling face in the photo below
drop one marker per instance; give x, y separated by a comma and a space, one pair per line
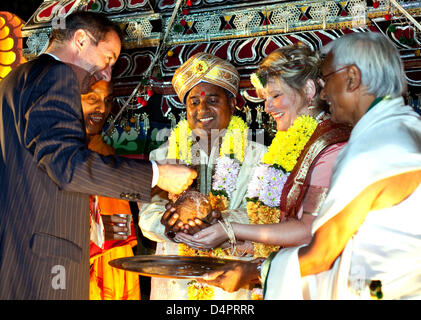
208, 107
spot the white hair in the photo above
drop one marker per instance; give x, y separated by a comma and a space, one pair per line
377, 58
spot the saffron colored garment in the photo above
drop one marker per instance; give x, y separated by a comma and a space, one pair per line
387, 247
106, 282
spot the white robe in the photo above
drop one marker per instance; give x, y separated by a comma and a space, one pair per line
387, 247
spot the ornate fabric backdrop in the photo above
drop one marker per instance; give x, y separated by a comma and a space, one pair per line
243, 32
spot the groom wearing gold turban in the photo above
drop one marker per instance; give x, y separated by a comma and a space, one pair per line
215, 140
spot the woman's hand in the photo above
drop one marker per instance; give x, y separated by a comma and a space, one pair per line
208, 238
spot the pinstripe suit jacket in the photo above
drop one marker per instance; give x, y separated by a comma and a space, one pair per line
46, 175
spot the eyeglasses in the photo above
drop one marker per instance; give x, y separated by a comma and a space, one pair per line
323, 78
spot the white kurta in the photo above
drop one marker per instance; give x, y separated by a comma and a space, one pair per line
150, 218
387, 247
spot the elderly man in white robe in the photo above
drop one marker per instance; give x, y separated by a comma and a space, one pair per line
366, 240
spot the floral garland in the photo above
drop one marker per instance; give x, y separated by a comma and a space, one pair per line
265, 188
227, 168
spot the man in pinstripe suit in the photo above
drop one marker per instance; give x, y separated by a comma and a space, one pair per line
47, 171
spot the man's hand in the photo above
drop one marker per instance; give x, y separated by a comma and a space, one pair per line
175, 178
234, 275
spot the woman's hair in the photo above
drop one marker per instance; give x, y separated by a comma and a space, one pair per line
377, 58
96, 23
294, 65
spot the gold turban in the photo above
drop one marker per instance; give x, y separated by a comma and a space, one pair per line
205, 67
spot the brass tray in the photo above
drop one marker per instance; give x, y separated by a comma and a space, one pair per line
180, 267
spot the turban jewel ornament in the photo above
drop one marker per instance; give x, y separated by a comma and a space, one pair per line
205, 67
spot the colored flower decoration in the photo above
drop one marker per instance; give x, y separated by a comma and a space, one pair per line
228, 164
287, 145
180, 142
228, 170
234, 142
